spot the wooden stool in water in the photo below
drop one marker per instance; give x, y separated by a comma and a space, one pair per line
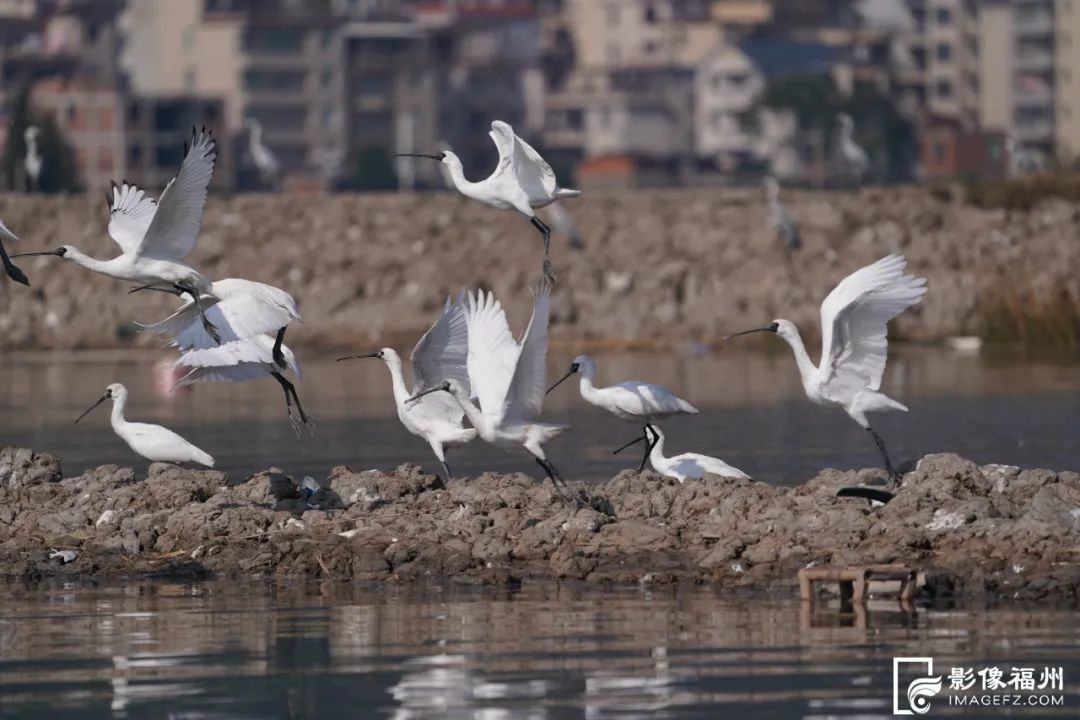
854, 580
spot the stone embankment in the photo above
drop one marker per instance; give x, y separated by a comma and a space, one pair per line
992, 531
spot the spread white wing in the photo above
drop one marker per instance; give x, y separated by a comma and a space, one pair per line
443, 351
130, 214
529, 384
854, 319
175, 227
234, 361
503, 135
532, 171
493, 354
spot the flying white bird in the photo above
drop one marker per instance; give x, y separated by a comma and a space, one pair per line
507, 377
32, 162
680, 467
155, 238
251, 318
9, 267
854, 319
633, 400
853, 155
441, 354
779, 219
153, 442
522, 180
265, 161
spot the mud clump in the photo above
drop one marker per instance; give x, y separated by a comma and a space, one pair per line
991, 530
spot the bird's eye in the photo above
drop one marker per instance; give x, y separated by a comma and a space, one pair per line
62, 252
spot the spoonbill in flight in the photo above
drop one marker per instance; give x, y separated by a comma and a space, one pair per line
154, 239
507, 378
153, 442
9, 267
854, 156
522, 181
854, 319
265, 161
440, 355
633, 400
32, 163
781, 222
687, 465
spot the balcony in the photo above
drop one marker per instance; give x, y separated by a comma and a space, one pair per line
1033, 98
1034, 131
1040, 23
1034, 61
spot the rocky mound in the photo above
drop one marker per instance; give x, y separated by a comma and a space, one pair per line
992, 530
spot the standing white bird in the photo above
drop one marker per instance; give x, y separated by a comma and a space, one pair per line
854, 157
32, 163
686, 465
507, 377
153, 442
265, 161
440, 355
854, 320
10, 268
155, 238
633, 400
522, 180
781, 222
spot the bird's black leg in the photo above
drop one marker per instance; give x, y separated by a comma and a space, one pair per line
556, 479
446, 469
549, 270
207, 325
10, 268
300, 409
894, 477
279, 358
290, 392
649, 443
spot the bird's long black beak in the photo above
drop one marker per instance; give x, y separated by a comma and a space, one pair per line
768, 328
365, 355
101, 400
57, 253
573, 369
431, 157
635, 441
445, 387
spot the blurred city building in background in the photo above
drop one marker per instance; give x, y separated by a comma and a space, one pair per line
614, 92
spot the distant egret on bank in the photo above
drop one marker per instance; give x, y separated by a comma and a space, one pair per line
32, 163
265, 161
632, 400
855, 159
779, 219
507, 378
686, 465
854, 320
12, 271
440, 355
153, 442
522, 181
156, 238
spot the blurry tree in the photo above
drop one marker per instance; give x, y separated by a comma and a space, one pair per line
58, 172
373, 170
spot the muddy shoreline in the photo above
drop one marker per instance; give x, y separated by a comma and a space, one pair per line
994, 531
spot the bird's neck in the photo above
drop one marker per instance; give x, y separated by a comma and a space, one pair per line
461, 183
588, 389
802, 358
117, 417
401, 393
473, 413
656, 455
83, 260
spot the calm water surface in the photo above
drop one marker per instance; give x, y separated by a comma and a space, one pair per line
326, 651
992, 407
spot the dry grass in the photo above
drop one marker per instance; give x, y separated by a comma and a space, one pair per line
1024, 193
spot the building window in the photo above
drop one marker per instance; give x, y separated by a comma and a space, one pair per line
650, 13
938, 148
943, 16
944, 89
944, 52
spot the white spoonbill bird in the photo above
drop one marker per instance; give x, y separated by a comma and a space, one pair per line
633, 400
153, 442
854, 156
250, 358
265, 161
440, 355
854, 320
154, 239
781, 222
687, 465
507, 378
32, 163
12, 271
522, 180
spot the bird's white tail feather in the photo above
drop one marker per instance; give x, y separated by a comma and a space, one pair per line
566, 193
202, 458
